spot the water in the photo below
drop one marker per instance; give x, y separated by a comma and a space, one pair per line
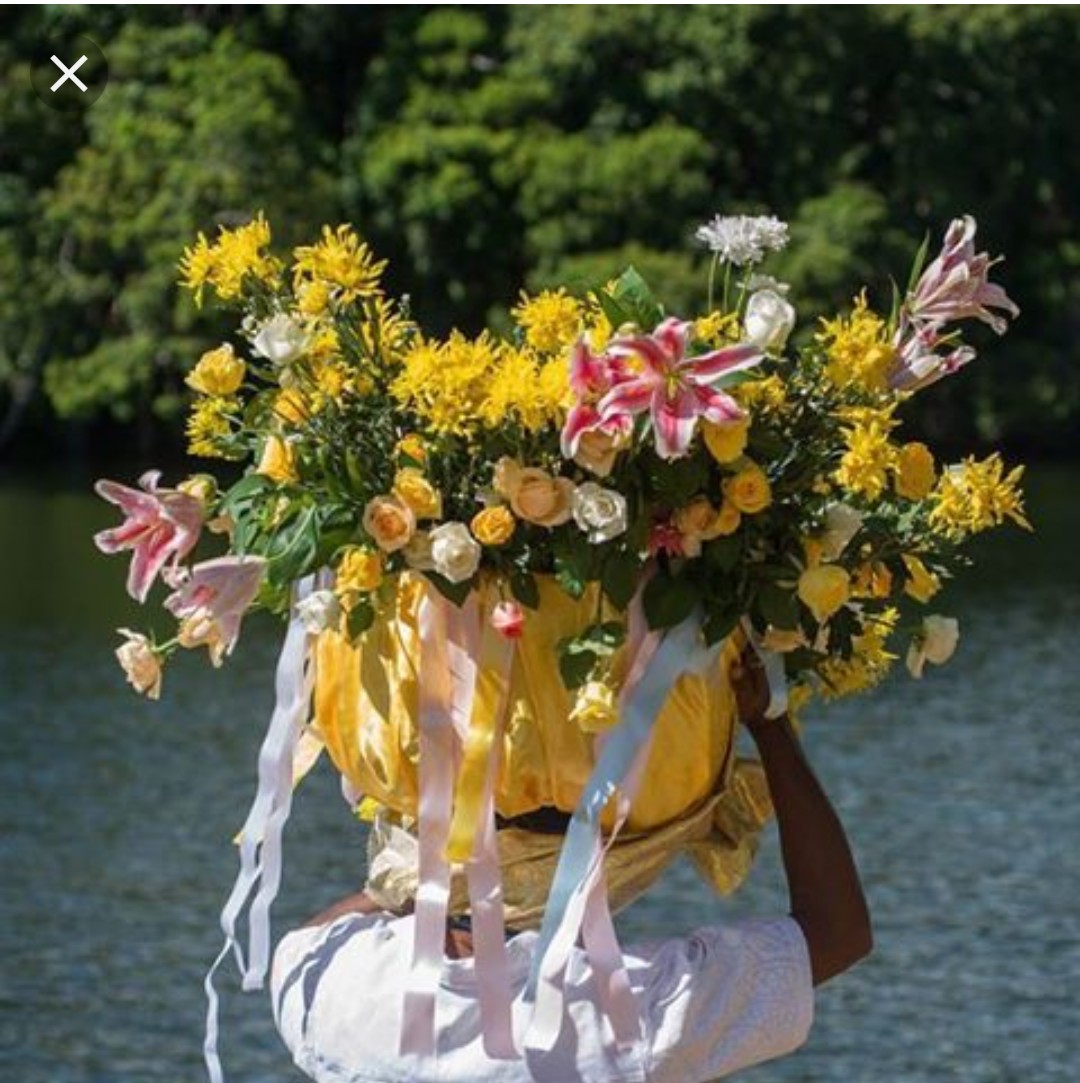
116, 815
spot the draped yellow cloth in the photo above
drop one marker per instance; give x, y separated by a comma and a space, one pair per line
696, 795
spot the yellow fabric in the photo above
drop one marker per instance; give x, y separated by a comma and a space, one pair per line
366, 712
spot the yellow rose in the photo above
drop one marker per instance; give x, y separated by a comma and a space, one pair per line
872, 580
218, 372
412, 447
824, 590
278, 461
291, 407
542, 499
726, 442
359, 572
696, 518
921, 584
140, 663
749, 489
726, 522
596, 452
915, 473
493, 526
390, 522
414, 489
594, 709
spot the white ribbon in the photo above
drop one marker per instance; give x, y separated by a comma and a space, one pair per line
260, 838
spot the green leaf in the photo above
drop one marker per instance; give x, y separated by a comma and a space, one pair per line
723, 553
778, 606
454, 592
575, 667
620, 577
245, 491
360, 619
668, 600
719, 623
633, 295
295, 548
524, 588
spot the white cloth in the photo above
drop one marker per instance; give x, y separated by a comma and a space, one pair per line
713, 1002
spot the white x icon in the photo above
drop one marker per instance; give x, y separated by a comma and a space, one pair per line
69, 73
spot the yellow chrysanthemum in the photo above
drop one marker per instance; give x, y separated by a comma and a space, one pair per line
207, 425
870, 455
236, 255
857, 348
870, 661
717, 329
760, 395
974, 496
384, 333
340, 261
551, 320
313, 298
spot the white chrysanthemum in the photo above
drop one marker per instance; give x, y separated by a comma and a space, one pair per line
742, 239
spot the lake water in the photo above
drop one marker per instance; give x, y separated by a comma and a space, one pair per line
116, 815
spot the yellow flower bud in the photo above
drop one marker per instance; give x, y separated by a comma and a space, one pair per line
493, 526
921, 584
824, 590
915, 473
412, 447
749, 489
278, 461
726, 442
594, 709
219, 372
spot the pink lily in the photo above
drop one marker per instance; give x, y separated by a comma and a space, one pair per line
210, 601
674, 388
591, 377
158, 524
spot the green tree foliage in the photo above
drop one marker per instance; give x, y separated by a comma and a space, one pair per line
481, 148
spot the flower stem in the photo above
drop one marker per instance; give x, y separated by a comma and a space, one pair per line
712, 278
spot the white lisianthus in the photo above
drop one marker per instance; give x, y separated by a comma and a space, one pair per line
319, 611
140, 663
769, 320
455, 553
281, 340
600, 512
935, 643
842, 523
417, 552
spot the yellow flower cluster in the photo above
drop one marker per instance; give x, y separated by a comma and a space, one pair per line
463, 385
341, 263
870, 661
761, 394
857, 349
236, 254
718, 329
551, 320
208, 424
869, 455
974, 496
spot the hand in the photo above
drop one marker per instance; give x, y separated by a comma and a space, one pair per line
751, 688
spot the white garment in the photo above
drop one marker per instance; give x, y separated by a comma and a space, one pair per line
713, 1002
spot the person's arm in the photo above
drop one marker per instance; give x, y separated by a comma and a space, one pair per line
823, 883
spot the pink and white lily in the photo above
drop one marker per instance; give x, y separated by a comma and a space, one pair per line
956, 286
675, 389
591, 377
159, 524
210, 601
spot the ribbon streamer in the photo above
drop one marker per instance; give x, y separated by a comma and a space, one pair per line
260, 837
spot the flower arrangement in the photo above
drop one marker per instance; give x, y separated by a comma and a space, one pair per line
603, 441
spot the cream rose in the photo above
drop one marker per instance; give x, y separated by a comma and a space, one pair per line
281, 340
542, 499
319, 611
935, 643
769, 320
390, 522
140, 663
417, 553
455, 553
596, 452
507, 477
600, 512
842, 523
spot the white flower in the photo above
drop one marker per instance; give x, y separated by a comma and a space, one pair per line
742, 239
766, 282
455, 553
417, 552
769, 320
600, 512
140, 664
842, 523
935, 642
319, 611
281, 340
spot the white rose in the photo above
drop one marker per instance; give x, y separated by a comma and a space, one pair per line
417, 552
769, 320
140, 664
842, 523
281, 340
600, 512
319, 611
455, 553
935, 643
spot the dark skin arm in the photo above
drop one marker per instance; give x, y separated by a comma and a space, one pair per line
823, 883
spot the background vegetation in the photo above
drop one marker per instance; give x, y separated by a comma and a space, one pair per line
482, 148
